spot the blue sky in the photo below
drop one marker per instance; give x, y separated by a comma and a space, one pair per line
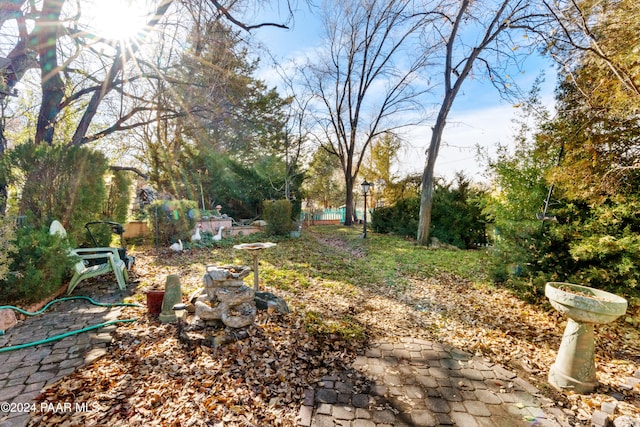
478, 117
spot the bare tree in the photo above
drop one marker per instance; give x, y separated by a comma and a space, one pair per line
367, 81
603, 32
52, 36
479, 38
79, 70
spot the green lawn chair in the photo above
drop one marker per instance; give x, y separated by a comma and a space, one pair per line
112, 263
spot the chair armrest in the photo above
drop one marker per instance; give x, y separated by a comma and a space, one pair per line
105, 250
92, 254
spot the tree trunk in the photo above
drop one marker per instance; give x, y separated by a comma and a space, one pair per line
3, 184
46, 36
79, 137
426, 194
348, 218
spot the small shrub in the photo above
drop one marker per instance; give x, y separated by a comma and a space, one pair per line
457, 217
38, 268
277, 213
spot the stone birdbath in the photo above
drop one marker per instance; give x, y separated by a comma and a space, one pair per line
254, 249
575, 368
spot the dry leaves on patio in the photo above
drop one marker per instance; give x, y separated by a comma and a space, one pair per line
149, 378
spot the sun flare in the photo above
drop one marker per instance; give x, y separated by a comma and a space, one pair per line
118, 19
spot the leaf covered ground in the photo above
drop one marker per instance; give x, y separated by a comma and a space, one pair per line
342, 291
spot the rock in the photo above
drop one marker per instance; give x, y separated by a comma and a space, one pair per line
600, 419
617, 396
609, 407
7, 319
264, 300
225, 297
437, 244
626, 421
241, 316
193, 297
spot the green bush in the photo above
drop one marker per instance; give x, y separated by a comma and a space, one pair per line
605, 245
175, 220
401, 218
39, 267
57, 182
456, 216
277, 213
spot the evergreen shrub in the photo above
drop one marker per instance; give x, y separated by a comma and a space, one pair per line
456, 217
401, 218
39, 267
58, 182
277, 213
7, 244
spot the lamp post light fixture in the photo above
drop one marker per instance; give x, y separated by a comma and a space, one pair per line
365, 189
180, 310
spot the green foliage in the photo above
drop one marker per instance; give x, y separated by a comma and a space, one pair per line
324, 182
220, 179
175, 220
38, 268
607, 247
7, 245
593, 239
277, 213
377, 168
116, 205
456, 218
57, 182
400, 219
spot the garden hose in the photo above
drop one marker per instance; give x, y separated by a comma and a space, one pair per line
66, 334
43, 309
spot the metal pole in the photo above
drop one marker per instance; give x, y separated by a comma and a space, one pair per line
364, 233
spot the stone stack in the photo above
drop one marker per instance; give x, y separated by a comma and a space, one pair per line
226, 298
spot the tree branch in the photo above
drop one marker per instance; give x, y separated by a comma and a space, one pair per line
225, 12
130, 169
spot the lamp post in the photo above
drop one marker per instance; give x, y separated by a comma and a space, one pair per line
365, 189
180, 311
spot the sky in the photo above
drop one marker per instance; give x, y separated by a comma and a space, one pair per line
479, 116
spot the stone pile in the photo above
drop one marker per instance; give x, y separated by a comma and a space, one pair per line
225, 297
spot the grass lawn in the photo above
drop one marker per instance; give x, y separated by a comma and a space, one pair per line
343, 291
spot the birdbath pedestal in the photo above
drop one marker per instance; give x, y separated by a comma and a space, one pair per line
575, 367
254, 249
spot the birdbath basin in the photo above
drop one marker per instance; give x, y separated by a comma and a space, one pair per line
574, 368
254, 249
